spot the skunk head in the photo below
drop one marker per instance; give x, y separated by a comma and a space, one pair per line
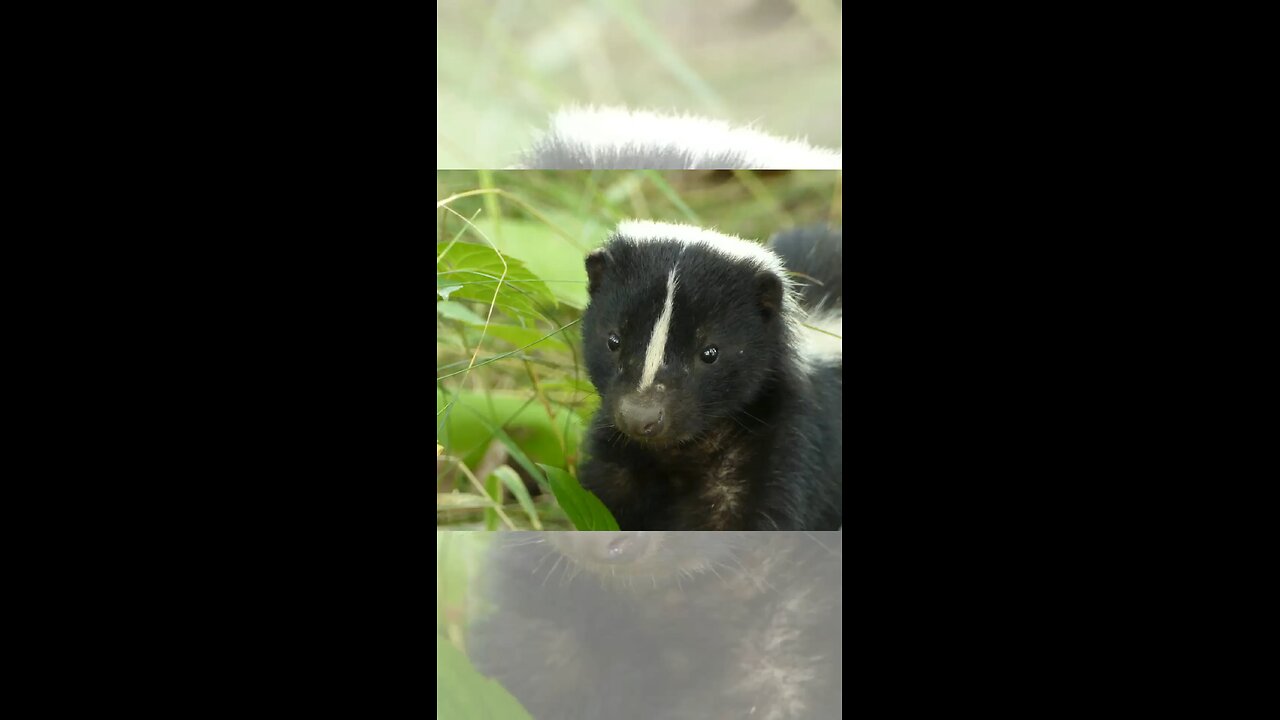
684, 328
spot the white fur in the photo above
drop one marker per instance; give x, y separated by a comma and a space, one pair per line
602, 130
813, 346
819, 346
771, 658
658, 342
730, 246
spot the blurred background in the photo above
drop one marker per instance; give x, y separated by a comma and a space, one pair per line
531, 616
512, 395
502, 66
460, 557
461, 691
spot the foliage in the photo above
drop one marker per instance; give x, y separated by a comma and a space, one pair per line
512, 393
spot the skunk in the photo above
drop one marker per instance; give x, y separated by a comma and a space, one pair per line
720, 409
665, 625
620, 139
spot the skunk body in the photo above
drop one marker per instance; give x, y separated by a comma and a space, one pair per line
664, 625
620, 139
719, 410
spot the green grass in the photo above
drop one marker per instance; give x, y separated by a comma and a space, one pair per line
503, 67
511, 390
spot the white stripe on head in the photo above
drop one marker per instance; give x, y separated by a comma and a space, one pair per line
658, 341
730, 246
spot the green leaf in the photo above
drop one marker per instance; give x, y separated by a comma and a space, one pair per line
523, 337
516, 485
458, 311
476, 419
473, 272
584, 509
546, 254
493, 487
462, 693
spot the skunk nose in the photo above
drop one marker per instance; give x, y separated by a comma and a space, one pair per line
618, 547
613, 548
640, 418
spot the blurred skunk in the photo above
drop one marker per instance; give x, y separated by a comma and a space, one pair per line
665, 625
621, 139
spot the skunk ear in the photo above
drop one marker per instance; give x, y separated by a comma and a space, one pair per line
596, 263
769, 294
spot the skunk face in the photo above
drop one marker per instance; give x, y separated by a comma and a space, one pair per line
720, 393
678, 335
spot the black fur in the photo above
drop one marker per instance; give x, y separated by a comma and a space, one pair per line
699, 625
814, 255
751, 441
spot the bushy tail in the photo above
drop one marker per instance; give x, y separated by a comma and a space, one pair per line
814, 256
621, 139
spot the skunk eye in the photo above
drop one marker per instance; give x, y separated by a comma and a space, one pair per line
709, 354
614, 340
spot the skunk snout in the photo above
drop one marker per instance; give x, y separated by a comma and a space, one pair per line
605, 547
640, 417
